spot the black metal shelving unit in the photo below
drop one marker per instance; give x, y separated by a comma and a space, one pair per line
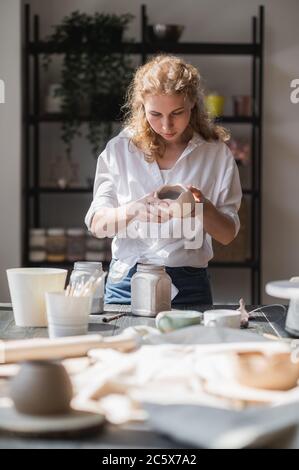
33, 118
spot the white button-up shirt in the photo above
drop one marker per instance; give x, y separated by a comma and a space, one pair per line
123, 175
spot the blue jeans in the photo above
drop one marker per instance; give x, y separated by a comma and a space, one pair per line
193, 285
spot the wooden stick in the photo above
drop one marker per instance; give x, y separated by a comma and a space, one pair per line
59, 348
114, 317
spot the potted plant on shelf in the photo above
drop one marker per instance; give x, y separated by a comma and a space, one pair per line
93, 77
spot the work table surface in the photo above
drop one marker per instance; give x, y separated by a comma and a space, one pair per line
270, 320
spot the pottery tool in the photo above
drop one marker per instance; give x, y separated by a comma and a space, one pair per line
114, 317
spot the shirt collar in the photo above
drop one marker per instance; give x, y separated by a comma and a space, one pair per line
195, 140
192, 144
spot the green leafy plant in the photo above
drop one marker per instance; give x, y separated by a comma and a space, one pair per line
93, 76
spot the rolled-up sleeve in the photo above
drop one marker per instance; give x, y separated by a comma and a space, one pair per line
104, 191
230, 194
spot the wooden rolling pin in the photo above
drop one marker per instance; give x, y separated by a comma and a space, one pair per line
59, 348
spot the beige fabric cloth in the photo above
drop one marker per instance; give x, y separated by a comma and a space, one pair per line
118, 383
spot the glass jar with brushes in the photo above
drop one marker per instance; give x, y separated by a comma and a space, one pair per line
85, 271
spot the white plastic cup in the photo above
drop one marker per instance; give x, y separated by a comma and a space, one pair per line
67, 315
27, 288
221, 317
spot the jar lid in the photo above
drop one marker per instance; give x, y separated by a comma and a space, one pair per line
56, 231
150, 267
90, 266
75, 232
37, 231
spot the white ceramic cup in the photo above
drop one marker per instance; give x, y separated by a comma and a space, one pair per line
27, 288
221, 317
67, 315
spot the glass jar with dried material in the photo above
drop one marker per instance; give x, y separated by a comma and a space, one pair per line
75, 244
37, 245
56, 245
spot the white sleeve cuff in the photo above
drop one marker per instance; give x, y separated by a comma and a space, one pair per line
234, 216
103, 201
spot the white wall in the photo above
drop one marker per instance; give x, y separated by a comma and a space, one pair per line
229, 20
10, 140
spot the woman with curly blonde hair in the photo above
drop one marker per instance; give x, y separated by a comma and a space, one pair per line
168, 138
166, 75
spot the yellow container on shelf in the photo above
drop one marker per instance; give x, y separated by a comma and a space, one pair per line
214, 104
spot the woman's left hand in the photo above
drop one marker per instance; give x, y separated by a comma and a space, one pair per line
220, 226
198, 197
197, 194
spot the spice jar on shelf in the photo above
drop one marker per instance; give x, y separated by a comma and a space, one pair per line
37, 245
75, 250
56, 245
95, 256
95, 248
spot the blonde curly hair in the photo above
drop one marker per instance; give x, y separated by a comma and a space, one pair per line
165, 74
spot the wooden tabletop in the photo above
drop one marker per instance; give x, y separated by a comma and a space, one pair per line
269, 320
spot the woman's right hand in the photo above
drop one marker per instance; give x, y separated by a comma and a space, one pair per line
150, 209
107, 221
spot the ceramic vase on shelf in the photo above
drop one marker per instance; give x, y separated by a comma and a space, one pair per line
242, 105
215, 104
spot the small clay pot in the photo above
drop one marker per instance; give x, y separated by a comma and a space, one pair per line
42, 388
180, 199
